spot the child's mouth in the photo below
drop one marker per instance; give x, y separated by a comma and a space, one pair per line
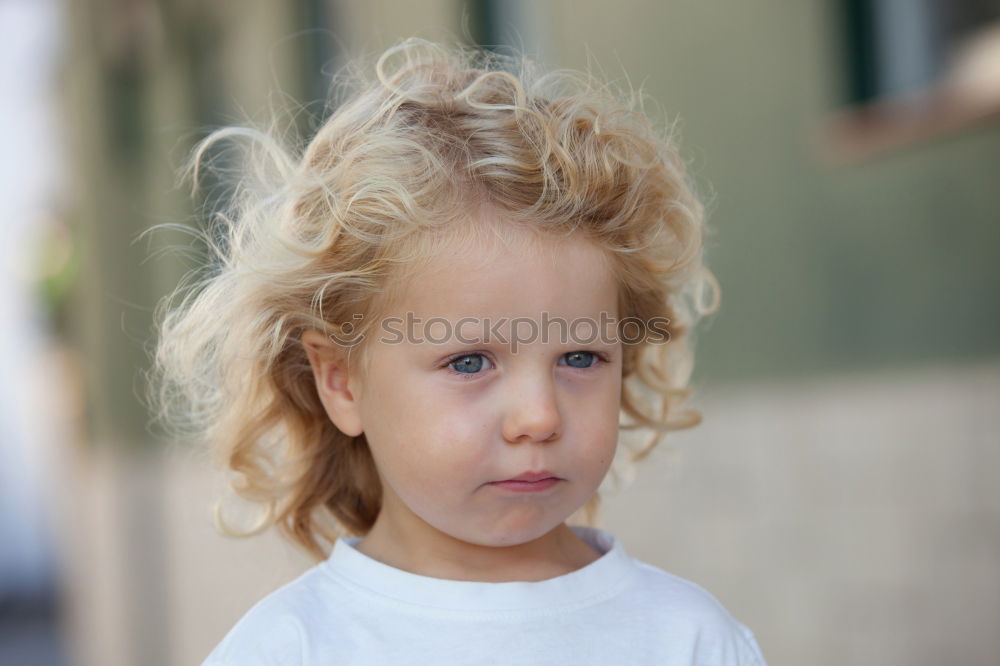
527, 486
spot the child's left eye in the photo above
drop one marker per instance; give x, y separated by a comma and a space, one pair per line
585, 357
469, 364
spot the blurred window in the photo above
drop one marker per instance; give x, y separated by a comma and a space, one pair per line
896, 46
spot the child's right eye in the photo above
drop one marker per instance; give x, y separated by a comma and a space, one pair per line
467, 364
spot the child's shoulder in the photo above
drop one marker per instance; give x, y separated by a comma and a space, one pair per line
273, 630
673, 593
688, 609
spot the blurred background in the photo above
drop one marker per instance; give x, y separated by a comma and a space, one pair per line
841, 498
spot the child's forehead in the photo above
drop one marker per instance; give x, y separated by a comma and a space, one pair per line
484, 235
486, 246
503, 271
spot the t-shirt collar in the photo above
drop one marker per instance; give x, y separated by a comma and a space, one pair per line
599, 580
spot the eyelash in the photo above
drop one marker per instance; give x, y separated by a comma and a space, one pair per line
599, 356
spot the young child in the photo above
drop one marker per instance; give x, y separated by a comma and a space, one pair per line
414, 351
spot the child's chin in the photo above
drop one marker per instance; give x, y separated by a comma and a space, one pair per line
515, 534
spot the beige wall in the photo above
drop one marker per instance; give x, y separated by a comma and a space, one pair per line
850, 520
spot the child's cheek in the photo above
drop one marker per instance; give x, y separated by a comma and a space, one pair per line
460, 448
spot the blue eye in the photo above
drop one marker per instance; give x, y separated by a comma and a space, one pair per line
584, 357
467, 365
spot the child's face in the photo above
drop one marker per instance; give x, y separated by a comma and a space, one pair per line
446, 421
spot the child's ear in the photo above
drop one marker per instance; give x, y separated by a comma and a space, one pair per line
330, 371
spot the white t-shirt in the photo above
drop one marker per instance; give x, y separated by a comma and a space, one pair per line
352, 609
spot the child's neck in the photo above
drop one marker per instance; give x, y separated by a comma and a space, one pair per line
557, 553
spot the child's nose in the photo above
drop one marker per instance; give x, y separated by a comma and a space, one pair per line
532, 413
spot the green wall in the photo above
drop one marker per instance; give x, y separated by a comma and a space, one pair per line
893, 261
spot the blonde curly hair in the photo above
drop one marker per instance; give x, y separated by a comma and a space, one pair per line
313, 238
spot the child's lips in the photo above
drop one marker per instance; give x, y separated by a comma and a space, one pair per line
532, 476
527, 486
